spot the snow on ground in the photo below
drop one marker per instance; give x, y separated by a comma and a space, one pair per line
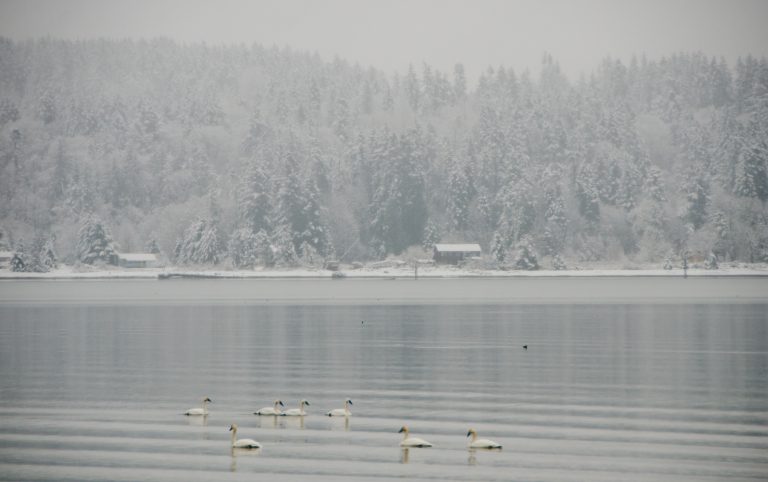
377, 270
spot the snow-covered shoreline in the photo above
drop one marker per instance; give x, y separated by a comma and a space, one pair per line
427, 272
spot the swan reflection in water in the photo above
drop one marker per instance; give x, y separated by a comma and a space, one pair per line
198, 421
294, 422
239, 452
335, 424
404, 455
270, 422
472, 459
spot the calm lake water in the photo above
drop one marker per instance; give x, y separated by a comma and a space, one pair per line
93, 384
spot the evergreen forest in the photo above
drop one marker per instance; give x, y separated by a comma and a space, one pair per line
244, 156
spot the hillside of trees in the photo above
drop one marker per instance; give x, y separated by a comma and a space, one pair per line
245, 156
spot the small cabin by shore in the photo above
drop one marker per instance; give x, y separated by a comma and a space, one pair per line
455, 253
136, 260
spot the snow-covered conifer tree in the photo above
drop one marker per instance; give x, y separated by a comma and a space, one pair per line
309, 255
431, 237
242, 248
285, 253
209, 247
263, 247
460, 194
696, 189
711, 262
20, 259
587, 193
413, 89
526, 257
255, 201
752, 171
555, 220
94, 241
314, 232
47, 255
42, 256
518, 213
558, 264
199, 244
668, 265
152, 246
498, 248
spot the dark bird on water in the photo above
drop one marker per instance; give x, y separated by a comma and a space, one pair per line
525, 347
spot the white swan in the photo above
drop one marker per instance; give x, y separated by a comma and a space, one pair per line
243, 443
271, 410
481, 443
297, 412
412, 441
341, 412
199, 411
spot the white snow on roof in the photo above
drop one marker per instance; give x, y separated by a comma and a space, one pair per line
457, 247
138, 256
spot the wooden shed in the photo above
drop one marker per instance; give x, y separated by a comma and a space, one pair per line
136, 260
455, 253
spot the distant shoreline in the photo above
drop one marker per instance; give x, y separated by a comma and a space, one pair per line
68, 273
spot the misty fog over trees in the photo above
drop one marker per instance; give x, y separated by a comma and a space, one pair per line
249, 156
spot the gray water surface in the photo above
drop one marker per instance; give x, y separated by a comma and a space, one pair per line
659, 391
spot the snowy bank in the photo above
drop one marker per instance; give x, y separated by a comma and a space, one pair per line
69, 272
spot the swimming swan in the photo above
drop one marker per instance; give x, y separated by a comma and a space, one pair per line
341, 412
297, 412
481, 443
270, 410
243, 443
412, 441
199, 411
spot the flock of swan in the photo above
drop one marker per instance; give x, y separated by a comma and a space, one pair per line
276, 410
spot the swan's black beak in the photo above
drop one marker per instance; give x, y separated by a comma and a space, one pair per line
306, 403
230, 428
350, 402
281, 403
402, 429
469, 433
209, 400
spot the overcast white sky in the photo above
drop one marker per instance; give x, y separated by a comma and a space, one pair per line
390, 34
